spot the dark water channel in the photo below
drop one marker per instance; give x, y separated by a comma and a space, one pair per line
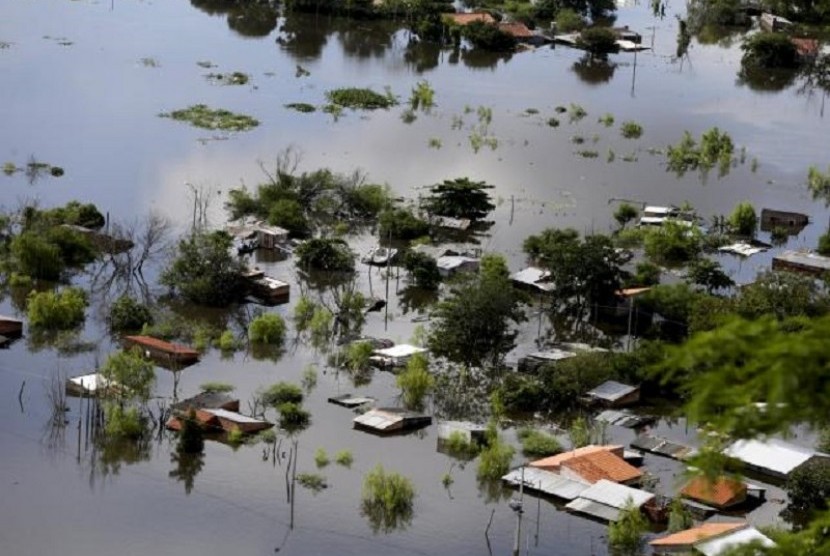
81, 84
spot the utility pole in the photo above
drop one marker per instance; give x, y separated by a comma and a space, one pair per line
516, 506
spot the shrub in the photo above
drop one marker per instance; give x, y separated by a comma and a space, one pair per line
387, 499
415, 382
128, 315
56, 310
312, 481
680, 518
494, 460
568, 21
458, 446
536, 443
267, 329
321, 458
423, 269
626, 534
36, 257
344, 458
325, 254
743, 219
123, 422
289, 214
625, 213
487, 37
227, 341
293, 417
281, 393
597, 40
402, 223
808, 487
673, 244
631, 130
353, 97
769, 51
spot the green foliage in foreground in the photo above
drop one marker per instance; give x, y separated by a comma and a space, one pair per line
56, 310
366, 99
201, 115
387, 500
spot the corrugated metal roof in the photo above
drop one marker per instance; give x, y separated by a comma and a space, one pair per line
533, 276
584, 506
612, 390
720, 545
376, 419
91, 382
805, 258
554, 462
233, 416
702, 532
468, 429
547, 482
774, 455
552, 354
615, 495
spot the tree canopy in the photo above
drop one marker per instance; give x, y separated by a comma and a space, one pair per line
460, 198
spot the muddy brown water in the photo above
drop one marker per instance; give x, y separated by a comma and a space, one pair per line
76, 93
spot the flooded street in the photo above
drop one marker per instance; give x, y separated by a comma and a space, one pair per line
81, 87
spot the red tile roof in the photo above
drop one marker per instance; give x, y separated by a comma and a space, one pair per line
694, 535
465, 19
723, 492
603, 465
161, 345
516, 29
553, 463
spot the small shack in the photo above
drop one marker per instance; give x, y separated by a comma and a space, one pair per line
605, 500
395, 356
270, 290
219, 420
11, 327
531, 362
721, 493
802, 261
206, 400
448, 265
625, 34
165, 353
534, 279
473, 433
773, 457
793, 222
387, 420
613, 394
710, 539
350, 401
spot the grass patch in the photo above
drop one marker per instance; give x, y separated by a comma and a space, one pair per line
303, 107
536, 443
435, 143
344, 458
553, 122
321, 458
588, 154
201, 115
631, 130
357, 98
312, 481
576, 113
607, 120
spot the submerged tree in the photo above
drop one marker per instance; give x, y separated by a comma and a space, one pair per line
415, 381
387, 500
460, 198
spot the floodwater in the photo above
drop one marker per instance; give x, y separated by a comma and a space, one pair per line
81, 86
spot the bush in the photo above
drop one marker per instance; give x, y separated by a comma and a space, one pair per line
123, 423
625, 213
353, 97
293, 417
321, 458
743, 219
423, 269
536, 443
769, 51
402, 223
56, 311
128, 315
227, 341
680, 518
626, 534
217, 387
267, 329
325, 254
494, 460
673, 244
597, 40
568, 21
487, 37
281, 393
415, 382
631, 130
134, 374
387, 499
344, 458
312, 481
36, 257
808, 487
458, 446
289, 214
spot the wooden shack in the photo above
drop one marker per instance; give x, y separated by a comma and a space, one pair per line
793, 222
805, 262
11, 327
386, 420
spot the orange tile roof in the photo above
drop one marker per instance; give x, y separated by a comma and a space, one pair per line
552, 463
161, 345
697, 534
603, 465
805, 47
720, 492
516, 29
465, 19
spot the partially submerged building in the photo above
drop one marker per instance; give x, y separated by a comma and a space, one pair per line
395, 356
793, 222
92, 384
720, 493
531, 362
386, 420
614, 394
773, 457
591, 464
221, 420
606, 500
802, 261
166, 353
534, 279
11, 327
449, 265
709, 539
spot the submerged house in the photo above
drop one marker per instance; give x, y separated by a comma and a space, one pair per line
92, 384
709, 539
606, 500
165, 353
11, 327
222, 420
793, 222
531, 362
772, 457
591, 464
270, 290
614, 394
449, 265
386, 420
395, 356
206, 400
722, 493
802, 261
534, 279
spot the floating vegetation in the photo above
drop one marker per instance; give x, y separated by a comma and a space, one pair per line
201, 115
408, 116
63, 41
485, 115
234, 78
553, 122
610, 156
577, 139
301, 72
631, 157
576, 113
357, 98
334, 109
715, 147
312, 481
34, 169
588, 154
631, 130
303, 107
753, 165
344, 458
321, 458
560, 109
480, 133
4, 45
10, 168
207, 64
457, 122
435, 143
149, 62
607, 120
531, 111
423, 97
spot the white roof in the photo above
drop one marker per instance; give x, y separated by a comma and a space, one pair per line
652, 220
615, 495
91, 382
378, 419
449, 262
721, 544
611, 390
652, 209
399, 351
742, 248
232, 416
547, 482
467, 428
774, 455
585, 506
805, 258
272, 283
533, 276
553, 354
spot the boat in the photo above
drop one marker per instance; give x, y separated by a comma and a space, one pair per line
380, 256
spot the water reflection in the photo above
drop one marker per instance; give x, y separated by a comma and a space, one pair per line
764, 80
594, 70
304, 36
249, 18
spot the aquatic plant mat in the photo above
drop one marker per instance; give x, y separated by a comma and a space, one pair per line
201, 115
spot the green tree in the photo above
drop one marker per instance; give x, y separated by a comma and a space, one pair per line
824, 244
281, 393
597, 40
625, 213
387, 500
34, 256
423, 270
460, 198
204, 270
743, 219
268, 328
402, 223
61, 310
289, 214
132, 372
680, 518
783, 295
487, 37
768, 51
474, 325
325, 254
494, 460
568, 21
808, 486
645, 274
673, 243
710, 275
129, 315
626, 534
415, 382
